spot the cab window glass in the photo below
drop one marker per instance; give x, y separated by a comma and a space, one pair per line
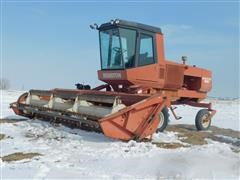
146, 50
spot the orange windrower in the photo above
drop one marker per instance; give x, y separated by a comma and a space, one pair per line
141, 85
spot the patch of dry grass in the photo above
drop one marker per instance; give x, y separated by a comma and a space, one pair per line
12, 120
188, 134
19, 156
5, 121
2, 136
169, 145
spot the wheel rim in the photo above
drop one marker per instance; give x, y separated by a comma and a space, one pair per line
205, 121
161, 120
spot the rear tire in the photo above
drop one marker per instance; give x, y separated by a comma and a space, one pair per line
163, 118
200, 121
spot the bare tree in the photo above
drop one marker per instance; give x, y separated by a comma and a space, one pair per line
4, 84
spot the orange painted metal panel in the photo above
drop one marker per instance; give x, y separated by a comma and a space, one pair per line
134, 122
160, 49
174, 76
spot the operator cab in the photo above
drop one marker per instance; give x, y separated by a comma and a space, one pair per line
125, 45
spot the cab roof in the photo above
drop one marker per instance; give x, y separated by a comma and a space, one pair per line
128, 24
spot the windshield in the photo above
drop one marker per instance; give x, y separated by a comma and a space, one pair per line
117, 48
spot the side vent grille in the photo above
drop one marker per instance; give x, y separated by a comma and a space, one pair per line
161, 73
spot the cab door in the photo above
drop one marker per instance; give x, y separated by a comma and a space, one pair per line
146, 71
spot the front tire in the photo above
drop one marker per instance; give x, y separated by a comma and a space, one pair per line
163, 120
202, 122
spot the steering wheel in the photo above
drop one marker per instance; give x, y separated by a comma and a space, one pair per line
119, 50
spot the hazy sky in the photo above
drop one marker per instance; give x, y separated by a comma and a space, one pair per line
49, 44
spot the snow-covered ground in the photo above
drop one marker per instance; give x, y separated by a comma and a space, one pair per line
73, 153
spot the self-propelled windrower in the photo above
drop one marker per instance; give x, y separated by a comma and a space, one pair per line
140, 88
